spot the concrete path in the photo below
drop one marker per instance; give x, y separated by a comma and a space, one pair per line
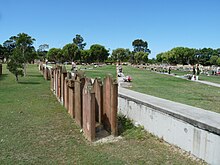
203, 82
209, 83
196, 116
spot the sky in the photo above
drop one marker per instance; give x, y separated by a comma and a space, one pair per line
164, 24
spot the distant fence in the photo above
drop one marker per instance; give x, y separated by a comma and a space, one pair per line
92, 105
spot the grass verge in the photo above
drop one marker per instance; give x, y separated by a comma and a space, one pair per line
169, 87
211, 78
175, 89
36, 129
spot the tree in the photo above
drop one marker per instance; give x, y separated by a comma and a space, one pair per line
71, 52
159, 57
213, 60
85, 56
218, 61
178, 55
140, 46
152, 61
42, 51
30, 55
78, 40
140, 57
120, 54
43, 47
22, 44
15, 65
55, 54
203, 55
98, 53
9, 46
182, 55
2, 52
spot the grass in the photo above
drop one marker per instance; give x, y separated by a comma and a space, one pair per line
211, 78
101, 71
36, 129
175, 89
169, 87
96, 72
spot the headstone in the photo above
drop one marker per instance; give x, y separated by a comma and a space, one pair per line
98, 89
52, 79
78, 107
88, 112
71, 108
66, 94
63, 76
110, 104
59, 83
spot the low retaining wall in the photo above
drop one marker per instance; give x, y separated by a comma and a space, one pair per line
192, 129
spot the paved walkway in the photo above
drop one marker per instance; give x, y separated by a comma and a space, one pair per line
209, 83
124, 84
198, 117
202, 118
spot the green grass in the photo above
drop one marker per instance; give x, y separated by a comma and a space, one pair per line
36, 129
175, 89
101, 71
180, 73
203, 77
169, 87
96, 72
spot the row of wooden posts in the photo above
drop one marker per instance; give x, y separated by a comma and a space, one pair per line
93, 104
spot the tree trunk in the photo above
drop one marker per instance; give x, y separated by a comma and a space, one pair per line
25, 65
16, 77
25, 69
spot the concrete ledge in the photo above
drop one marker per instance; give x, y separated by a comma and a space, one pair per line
203, 119
192, 129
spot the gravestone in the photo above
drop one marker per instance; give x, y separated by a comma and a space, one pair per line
110, 105
88, 111
63, 76
78, 99
98, 89
59, 83
66, 94
71, 107
52, 79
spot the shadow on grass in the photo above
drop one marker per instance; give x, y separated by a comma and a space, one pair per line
35, 75
124, 124
3, 76
29, 82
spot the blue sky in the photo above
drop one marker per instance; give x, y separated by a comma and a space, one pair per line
164, 24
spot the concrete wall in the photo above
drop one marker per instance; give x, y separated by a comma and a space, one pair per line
192, 129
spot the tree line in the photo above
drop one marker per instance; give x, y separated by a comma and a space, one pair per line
184, 55
97, 53
18, 51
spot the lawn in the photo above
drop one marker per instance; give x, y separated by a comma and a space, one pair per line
169, 87
36, 129
175, 89
203, 77
97, 71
